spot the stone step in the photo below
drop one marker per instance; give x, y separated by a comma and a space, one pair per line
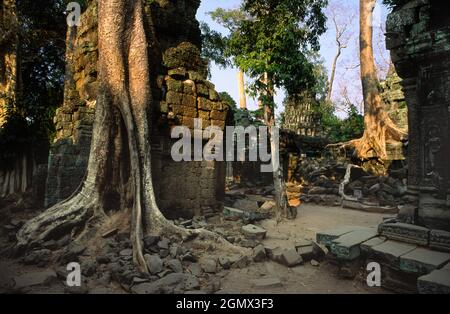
326, 237
437, 282
367, 246
423, 261
347, 246
405, 232
390, 251
440, 240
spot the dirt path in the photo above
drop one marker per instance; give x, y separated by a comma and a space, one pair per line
305, 278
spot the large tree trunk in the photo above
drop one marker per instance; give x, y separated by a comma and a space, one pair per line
9, 58
241, 89
119, 173
378, 125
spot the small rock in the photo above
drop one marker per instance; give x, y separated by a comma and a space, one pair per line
126, 252
259, 253
163, 253
209, 265
315, 263
103, 259
88, 268
240, 262
150, 240
154, 263
254, 232
195, 269
224, 262
72, 252
175, 265
191, 283
164, 244
249, 243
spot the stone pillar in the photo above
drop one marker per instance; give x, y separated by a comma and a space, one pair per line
418, 36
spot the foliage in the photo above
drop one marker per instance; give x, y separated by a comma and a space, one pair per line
341, 130
42, 32
225, 97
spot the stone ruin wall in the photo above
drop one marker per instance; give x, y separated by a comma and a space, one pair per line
181, 93
418, 36
301, 118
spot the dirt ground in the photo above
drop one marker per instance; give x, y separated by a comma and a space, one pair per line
306, 278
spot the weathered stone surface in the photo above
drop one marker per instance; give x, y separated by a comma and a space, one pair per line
154, 263
254, 232
326, 237
166, 284
347, 246
423, 261
34, 279
291, 258
306, 252
367, 246
267, 283
440, 240
246, 205
209, 265
259, 253
437, 282
224, 261
175, 265
405, 232
232, 213
389, 252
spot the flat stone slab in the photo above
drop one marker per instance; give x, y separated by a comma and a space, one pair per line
366, 246
437, 282
254, 232
347, 246
390, 251
34, 279
267, 283
440, 240
405, 232
302, 243
423, 261
326, 237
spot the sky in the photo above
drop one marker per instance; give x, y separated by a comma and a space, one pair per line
347, 78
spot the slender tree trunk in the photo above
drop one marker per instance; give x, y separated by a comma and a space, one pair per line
333, 72
282, 204
241, 89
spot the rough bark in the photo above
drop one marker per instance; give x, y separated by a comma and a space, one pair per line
379, 127
241, 89
281, 200
120, 159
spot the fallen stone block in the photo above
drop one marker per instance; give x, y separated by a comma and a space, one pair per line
267, 283
351, 204
327, 237
437, 282
440, 240
390, 251
291, 258
405, 232
246, 205
306, 252
230, 213
270, 249
254, 232
259, 253
423, 261
347, 246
